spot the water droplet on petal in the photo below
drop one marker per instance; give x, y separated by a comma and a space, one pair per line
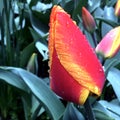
71, 41
67, 24
67, 47
78, 73
79, 55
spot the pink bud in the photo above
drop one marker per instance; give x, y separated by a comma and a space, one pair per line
88, 20
110, 44
117, 8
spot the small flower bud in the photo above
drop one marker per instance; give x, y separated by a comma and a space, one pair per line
117, 8
32, 67
88, 20
110, 44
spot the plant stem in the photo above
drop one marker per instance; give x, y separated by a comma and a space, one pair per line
102, 59
94, 39
89, 111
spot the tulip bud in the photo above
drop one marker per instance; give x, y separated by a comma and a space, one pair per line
75, 70
117, 8
88, 20
110, 44
32, 63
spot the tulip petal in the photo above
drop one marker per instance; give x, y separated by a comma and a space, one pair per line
117, 8
75, 56
64, 85
110, 44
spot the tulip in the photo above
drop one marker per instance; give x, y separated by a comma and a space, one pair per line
117, 8
88, 20
110, 44
32, 63
75, 70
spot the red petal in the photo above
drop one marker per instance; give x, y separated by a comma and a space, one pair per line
64, 85
74, 53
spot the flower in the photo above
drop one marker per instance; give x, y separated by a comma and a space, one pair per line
117, 8
31, 66
110, 44
75, 70
88, 20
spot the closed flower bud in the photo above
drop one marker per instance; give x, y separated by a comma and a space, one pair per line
117, 8
110, 44
32, 64
75, 70
88, 20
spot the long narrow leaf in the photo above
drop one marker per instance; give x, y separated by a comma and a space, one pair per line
109, 22
41, 91
114, 78
12, 79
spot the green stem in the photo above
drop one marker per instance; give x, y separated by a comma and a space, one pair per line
94, 39
103, 91
89, 111
119, 20
102, 59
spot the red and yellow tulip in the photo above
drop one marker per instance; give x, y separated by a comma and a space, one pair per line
75, 70
117, 8
110, 44
88, 20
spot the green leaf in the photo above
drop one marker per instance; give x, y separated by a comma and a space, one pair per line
12, 79
98, 12
68, 5
55, 2
37, 108
42, 92
1, 6
40, 6
98, 106
93, 4
114, 78
102, 116
38, 26
89, 38
26, 54
109, 15
112, 107
43, 49
23, 79
101, 113
78, 9
109, 22
71, 113
26, 100
111, 2
36, 36
109, 64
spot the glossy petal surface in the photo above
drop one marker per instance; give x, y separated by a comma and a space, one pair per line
73, 62
110, 44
